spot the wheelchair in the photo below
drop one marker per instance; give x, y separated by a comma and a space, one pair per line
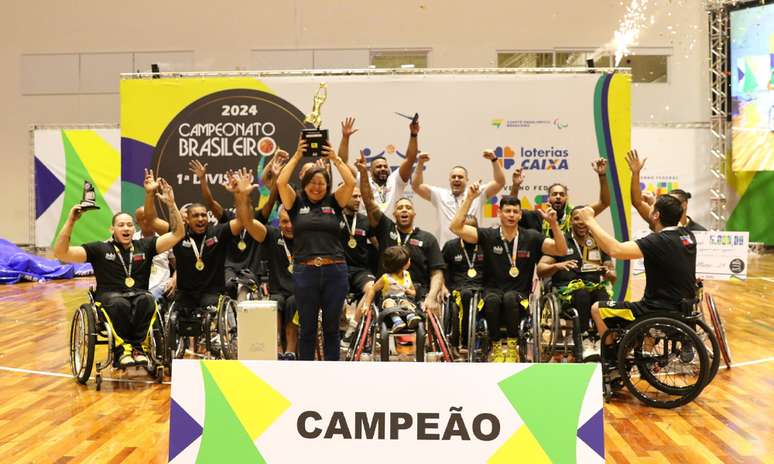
365, 341
476, 337
556, 330
90, 328
665, 358
209, 331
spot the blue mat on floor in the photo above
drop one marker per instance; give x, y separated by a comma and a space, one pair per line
18, 265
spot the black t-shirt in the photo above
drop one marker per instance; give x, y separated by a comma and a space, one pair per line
316, 228
531, 219
358, 256
273, 252
425, 253
580, 251
111, 274
217, 240
670, 267
497, 263
457, 264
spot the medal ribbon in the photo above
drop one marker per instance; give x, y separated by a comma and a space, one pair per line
128, 270
510, 253
471, 262
198, 252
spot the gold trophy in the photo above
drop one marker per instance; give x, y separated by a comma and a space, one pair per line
315, 137
89, 199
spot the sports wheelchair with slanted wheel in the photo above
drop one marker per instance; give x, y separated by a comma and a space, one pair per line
90, 328
210, 331
429, 338
475, 339
665, 358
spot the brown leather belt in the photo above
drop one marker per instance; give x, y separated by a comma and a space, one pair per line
322, 261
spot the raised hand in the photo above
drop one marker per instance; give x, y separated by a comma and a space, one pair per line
414, 128
634, 162
549, 216
329, 154
473, 189
489, 155
198, 168
303, 145
586, 213
348, 127
599, 166
230, 184
244, 184
361, 164
75, 213
423, 158
167, 195
150, 183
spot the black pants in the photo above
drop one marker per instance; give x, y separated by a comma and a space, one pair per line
460, 326
502, 307
130, 316
319, 288
582, 300
190, 301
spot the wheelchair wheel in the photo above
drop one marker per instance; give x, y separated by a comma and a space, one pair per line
437, 338
419, 344
710, 344
719, 328
173, 345
227, 328
545, 320
83, 342
656, 362
364, 333
478, 334
156, 341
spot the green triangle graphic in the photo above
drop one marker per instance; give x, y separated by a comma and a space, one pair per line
223, 439
750, 84
548, 398
132, 196
758, 197
93, 225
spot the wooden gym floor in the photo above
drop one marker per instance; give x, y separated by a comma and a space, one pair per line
46, 417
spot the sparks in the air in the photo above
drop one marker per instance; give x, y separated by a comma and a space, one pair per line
629, 29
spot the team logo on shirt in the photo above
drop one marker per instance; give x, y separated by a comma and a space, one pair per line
686, 239
393, 235
186, 244
138, 257
522, 254
110, 256
303, 210
415, 242
327, 210
457, 258
211, 241
497, 249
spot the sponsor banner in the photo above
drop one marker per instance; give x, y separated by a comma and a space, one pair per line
267, 411
552, 126
64, 158
721, 255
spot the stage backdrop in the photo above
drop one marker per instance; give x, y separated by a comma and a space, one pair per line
553, 125
63, 159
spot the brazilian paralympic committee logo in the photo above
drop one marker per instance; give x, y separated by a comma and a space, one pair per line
499, 123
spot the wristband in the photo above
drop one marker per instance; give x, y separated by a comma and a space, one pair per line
494, 160
413, 136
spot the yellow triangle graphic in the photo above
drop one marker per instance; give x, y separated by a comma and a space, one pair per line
256, 404
521, 446
101, 160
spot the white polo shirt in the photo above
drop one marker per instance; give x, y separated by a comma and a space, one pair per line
446, 206
160, 268
386, 196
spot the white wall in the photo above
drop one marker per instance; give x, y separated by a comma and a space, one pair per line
105, 37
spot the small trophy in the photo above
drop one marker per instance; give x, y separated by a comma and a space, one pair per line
89, 200
316, 138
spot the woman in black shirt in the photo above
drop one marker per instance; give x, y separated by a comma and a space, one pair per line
319, 263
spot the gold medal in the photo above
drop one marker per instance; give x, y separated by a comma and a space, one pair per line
129, 282
242, 245
352, 243
589, 242
290, 268
199, 265
472, 273
513, 272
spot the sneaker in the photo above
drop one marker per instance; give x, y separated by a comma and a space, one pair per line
289, 356
412, 320
590, 351
512, 355
140, 358
497, 355
280, 356
397, 324
350, 331
126, 359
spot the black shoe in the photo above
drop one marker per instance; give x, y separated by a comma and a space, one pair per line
289, 356
412, 320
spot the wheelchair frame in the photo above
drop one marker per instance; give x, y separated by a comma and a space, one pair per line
89, 328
